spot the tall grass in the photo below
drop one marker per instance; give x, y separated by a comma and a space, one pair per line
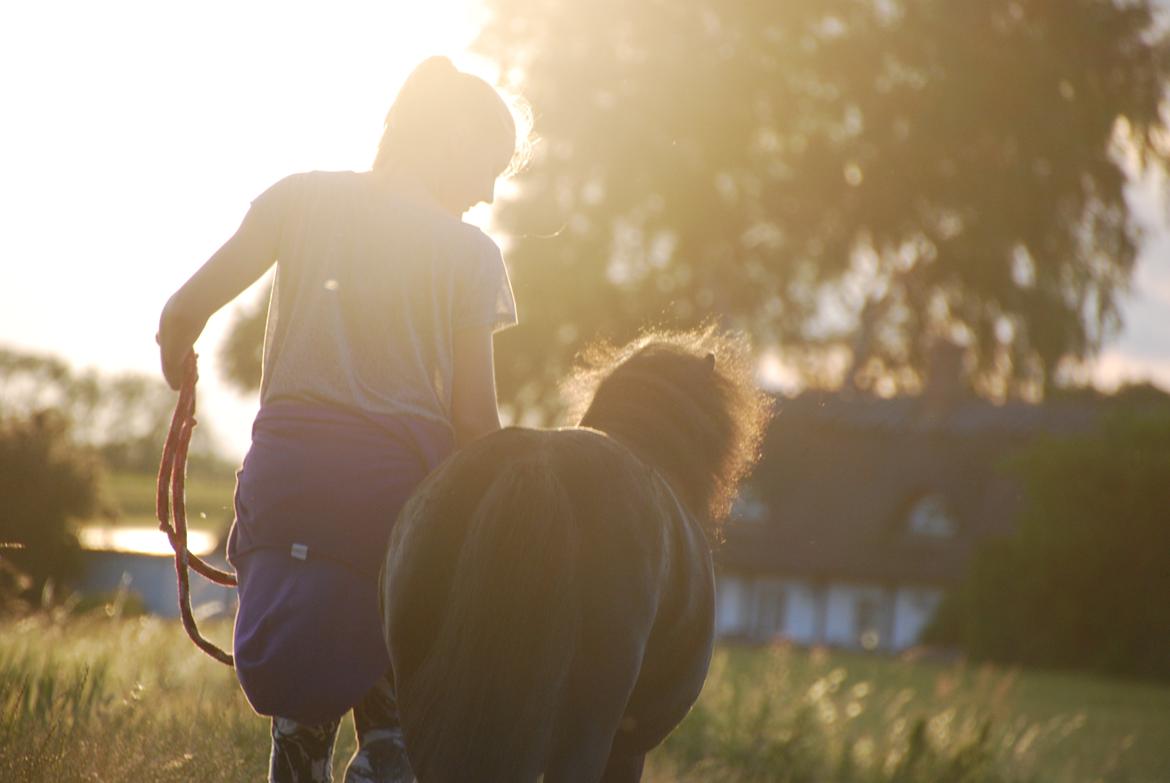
101, 699
120, 700
792, 716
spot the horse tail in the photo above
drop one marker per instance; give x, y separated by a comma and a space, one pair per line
686, 403
481, 702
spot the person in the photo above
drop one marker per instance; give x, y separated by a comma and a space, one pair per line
377, 363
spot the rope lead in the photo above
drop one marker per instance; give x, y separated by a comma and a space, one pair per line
170, 493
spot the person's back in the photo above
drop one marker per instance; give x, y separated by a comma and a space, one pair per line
371, 286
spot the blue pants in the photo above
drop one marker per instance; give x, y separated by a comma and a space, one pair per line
315, 503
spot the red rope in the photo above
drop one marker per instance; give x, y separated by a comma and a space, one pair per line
171, 477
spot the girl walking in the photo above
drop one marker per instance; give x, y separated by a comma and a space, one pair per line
377, 364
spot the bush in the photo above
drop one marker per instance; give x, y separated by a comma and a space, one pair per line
1082, 582
46, 481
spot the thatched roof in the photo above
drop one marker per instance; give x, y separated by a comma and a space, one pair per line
841, 477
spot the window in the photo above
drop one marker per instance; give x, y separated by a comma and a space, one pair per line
732, 605
748, 508
768, 610
931, 517
866, 622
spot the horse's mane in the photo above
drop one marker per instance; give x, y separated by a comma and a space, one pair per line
685, 402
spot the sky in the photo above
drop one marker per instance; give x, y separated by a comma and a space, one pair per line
137, 133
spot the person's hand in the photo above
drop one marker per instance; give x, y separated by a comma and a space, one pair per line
174, 363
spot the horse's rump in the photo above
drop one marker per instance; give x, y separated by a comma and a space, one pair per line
522, 580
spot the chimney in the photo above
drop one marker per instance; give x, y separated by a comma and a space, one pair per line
946, 379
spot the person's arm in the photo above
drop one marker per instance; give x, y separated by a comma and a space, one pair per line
234, 267
473, 387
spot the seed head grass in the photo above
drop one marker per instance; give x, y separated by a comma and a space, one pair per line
100, 698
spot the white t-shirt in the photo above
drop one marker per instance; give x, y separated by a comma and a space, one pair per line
370, 288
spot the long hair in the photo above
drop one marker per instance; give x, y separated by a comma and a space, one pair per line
438, 100
686, 402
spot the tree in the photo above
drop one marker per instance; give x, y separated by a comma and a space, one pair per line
867, 175
46, 482
1079, 584
124, 416
242, 350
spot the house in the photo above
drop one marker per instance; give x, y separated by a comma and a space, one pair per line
863, 511
140, 561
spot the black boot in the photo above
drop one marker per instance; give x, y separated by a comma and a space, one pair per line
381, 753
300, 753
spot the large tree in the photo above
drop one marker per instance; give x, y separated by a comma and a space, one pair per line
872, 174
857, 176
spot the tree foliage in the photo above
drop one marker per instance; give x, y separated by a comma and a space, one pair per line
124, 417
46, 481
242, 351
1079, 585
868, 175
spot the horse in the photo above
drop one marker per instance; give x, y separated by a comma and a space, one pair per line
548, 594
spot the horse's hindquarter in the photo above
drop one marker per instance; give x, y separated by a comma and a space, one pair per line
678, 652
477, 648
631, 611
647, 640
483, 657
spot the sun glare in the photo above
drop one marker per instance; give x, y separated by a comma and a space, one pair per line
142, 131
141, 540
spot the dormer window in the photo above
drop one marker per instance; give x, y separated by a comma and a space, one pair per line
748, 507
930, 517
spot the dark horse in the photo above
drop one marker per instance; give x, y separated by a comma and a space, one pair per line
548, 595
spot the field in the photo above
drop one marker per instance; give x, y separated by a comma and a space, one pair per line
94, 698
209, 500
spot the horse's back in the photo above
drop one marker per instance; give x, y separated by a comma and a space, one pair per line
631, 579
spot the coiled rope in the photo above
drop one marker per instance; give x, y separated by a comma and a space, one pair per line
170, 495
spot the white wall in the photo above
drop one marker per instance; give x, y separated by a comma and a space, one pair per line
732, 605
914, 607
804, 613
859, 616
842, 614
745, 606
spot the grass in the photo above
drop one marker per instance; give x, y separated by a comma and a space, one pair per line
209, 500
787, 715
101, 699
